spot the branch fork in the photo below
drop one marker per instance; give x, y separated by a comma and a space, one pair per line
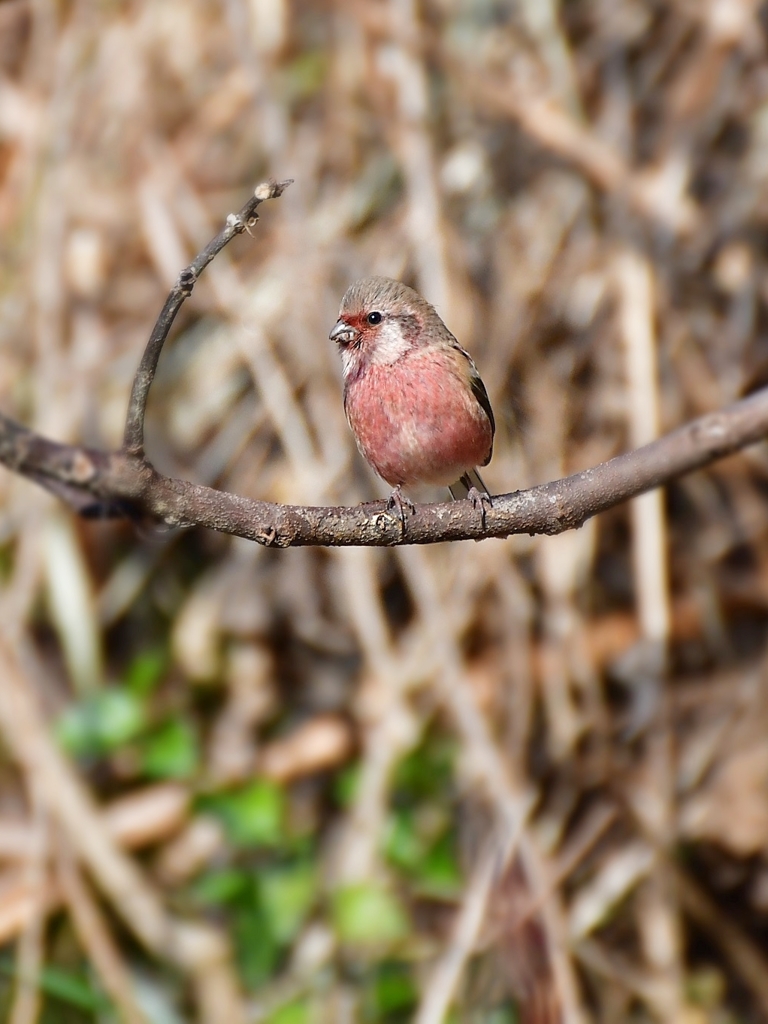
124, 483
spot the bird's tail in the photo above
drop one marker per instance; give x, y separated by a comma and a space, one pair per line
465, 483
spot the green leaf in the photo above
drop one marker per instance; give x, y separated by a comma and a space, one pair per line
345, 785
292, 1013
430, 862
216, 888
101, 722
286, 896
403, 846
427, 771
705, 986
146, 670
71, 988
6, 562
368, 914
392, 991
253, 815
304, 76
257, 952
506, 1014
439, 872
171, 752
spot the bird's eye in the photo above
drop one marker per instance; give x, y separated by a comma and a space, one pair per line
374, 318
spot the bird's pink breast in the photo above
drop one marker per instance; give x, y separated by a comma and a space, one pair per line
417, 420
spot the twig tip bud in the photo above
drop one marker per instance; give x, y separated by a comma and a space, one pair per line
271, 189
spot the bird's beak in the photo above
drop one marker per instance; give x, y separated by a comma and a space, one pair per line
343, 333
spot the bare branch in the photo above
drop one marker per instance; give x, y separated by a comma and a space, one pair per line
133, 440
119, 483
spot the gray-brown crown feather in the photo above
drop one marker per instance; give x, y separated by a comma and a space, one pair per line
380, 293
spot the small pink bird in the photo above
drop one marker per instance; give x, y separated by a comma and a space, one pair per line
413, 397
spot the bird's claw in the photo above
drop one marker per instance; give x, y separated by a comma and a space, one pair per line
398, 501
480, 500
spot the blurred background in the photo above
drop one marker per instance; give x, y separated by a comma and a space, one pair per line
520, 781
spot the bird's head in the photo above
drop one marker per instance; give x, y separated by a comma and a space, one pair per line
380, 320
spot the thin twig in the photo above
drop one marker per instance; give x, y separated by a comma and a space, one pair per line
658, 913
447, 972
133, 440
600, 162
95, 936
30, 952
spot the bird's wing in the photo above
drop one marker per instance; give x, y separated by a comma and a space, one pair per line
476, 383
478, 390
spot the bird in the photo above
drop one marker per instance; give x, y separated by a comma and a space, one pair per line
413, 397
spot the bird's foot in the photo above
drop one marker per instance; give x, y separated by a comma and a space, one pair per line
481, 500
398, 501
